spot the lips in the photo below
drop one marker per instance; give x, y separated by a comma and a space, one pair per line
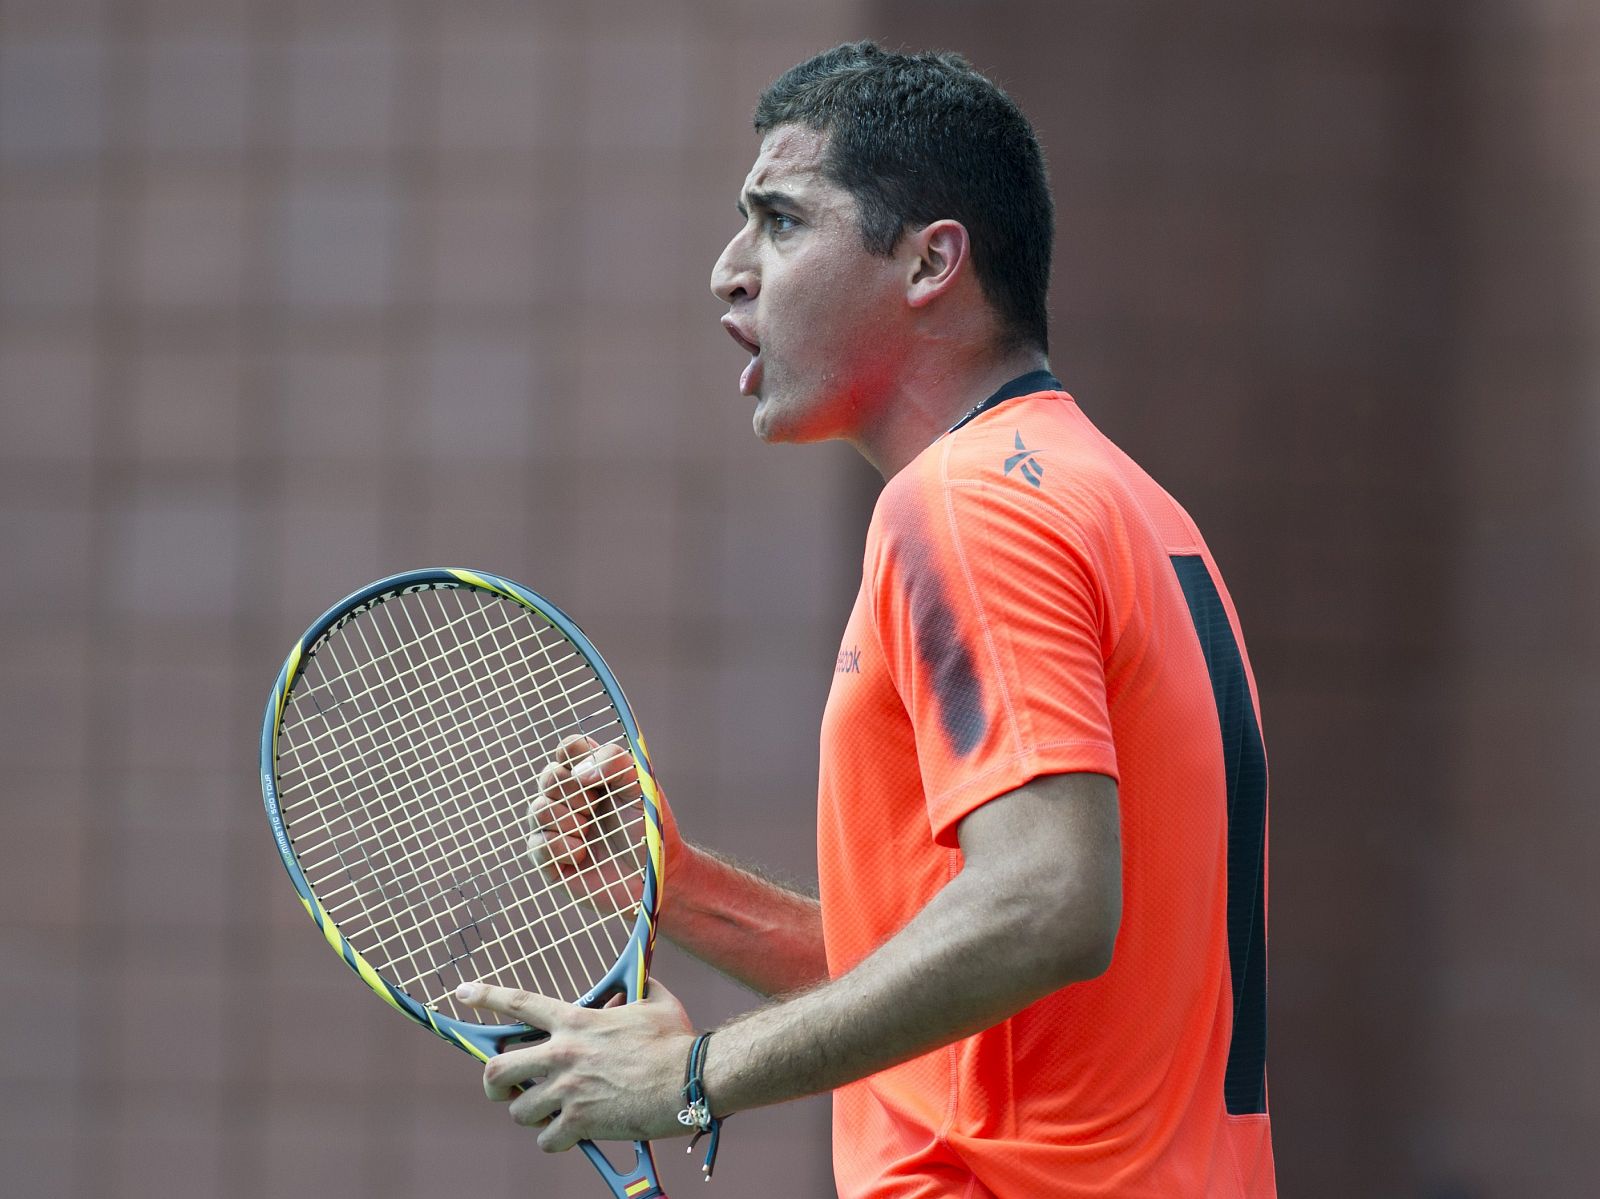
750, 380
732, 326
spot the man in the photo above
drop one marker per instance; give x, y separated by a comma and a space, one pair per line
1037, 963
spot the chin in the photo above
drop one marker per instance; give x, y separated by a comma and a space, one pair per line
761, 423
799, 420
768, 423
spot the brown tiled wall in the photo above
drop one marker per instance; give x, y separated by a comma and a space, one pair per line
295, 294
291, 296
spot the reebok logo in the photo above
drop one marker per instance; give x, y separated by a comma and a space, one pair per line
1032, 468
849, 661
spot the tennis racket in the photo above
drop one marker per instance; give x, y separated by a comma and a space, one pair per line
400, 753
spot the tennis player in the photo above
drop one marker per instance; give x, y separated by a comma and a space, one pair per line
1037, 964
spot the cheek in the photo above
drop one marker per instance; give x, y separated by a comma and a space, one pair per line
840, 318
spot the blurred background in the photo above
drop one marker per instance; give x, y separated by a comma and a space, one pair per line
296, 294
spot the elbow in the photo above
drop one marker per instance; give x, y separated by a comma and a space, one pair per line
1084, 933
1089, 955
1056, 931
1093, 960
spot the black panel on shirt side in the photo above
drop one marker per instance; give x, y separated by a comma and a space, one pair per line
1245, 1084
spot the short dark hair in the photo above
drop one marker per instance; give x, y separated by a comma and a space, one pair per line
918, 138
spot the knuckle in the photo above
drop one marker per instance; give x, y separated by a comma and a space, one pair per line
578, 1018
560, 1054
556, 787
575, 744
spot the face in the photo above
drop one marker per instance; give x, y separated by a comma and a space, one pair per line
817, 312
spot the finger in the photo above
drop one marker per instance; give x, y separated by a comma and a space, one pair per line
559, 791
558, 818
558, 833
611, 778
609, 770
555, 778
508, 1075
534, 1010
559, 1135
574, 747
535, 1106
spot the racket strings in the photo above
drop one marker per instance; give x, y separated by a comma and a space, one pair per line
561, 936
445, 739
390, 820
441, 742
544, 698
584, 930
378, 667
436, 822
571, 700
471, 888
409, 808
510, 688
411, 811
332, 745
402, 920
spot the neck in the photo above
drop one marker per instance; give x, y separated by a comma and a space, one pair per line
924, 403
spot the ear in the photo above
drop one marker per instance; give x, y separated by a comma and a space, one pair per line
940, 255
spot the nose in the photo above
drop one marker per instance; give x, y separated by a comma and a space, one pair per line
734, 276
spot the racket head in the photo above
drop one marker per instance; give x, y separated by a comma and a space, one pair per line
548, 626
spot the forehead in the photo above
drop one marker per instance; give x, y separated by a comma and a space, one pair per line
790, 160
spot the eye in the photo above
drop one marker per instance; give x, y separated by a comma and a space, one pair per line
780, 222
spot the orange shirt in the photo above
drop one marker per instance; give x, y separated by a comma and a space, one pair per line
1033, 603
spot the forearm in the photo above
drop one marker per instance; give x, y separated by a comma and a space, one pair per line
1037, 905
756, 931
945, 975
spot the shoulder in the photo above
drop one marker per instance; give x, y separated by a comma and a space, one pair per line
1028, 477
1036, 461
1020, 442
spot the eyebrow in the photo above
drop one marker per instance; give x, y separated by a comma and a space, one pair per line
767, 201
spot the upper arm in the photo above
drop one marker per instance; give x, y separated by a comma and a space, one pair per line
1050, 852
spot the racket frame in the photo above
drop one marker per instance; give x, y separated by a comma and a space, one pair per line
627, 977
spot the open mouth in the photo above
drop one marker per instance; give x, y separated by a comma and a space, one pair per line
733, 332
751, 378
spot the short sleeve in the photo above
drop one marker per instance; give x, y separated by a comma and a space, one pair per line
991, 612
